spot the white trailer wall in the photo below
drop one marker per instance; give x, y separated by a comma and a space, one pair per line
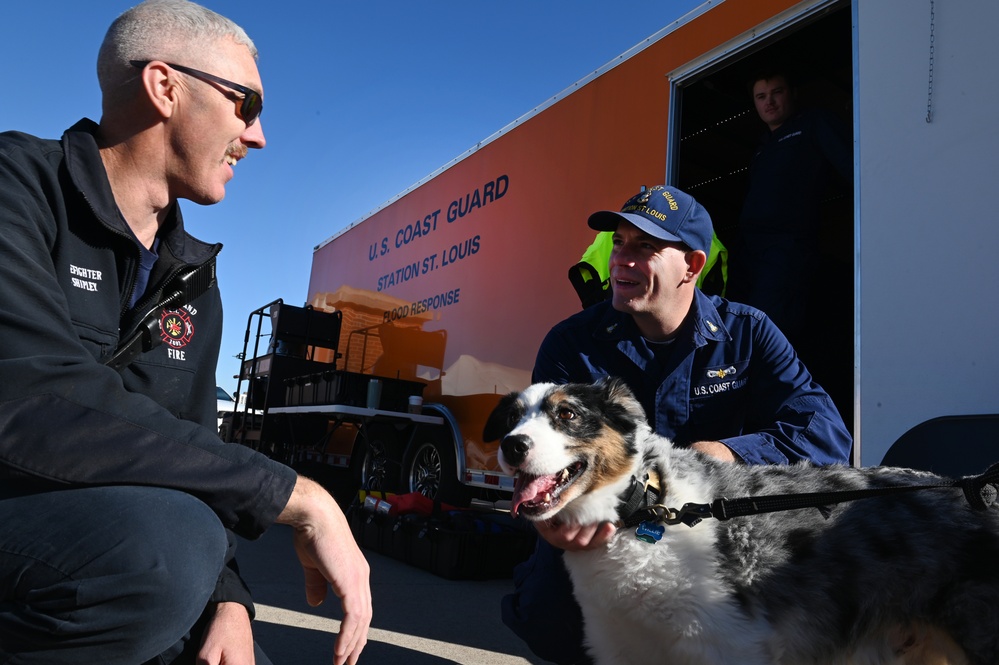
928, 214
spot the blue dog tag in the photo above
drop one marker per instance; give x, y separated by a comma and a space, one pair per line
650, 532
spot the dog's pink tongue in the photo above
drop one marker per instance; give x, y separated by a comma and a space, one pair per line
530, 489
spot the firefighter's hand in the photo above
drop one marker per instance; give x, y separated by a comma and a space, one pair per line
329, 555
576, 537
228, 639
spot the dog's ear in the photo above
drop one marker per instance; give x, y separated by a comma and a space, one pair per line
616, 390
502, 419
621, 405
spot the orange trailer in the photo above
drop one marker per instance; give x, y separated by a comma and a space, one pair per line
478, 253
453, 283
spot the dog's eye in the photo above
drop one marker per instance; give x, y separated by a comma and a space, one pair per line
566, 414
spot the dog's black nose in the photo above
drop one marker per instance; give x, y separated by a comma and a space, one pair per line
515, 448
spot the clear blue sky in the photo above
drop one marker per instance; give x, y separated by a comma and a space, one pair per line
362, 100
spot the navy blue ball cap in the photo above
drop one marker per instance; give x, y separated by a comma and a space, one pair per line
662, 212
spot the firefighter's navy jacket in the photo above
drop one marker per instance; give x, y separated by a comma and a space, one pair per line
730, 376
68, 420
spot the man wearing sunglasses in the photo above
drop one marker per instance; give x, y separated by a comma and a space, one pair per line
118, 502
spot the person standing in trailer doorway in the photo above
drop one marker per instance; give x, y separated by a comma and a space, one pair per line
775, 259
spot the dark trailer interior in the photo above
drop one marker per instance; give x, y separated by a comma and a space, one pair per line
715, 139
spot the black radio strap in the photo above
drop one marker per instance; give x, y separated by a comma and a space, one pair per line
180, 290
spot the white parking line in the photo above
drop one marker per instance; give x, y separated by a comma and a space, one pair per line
456, 652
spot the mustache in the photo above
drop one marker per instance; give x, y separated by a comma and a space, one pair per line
237, 150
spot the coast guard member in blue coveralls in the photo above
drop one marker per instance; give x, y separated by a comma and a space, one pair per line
775, 259
714, 375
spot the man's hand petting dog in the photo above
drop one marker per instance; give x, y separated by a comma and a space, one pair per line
575, 537
579, 537
715, 449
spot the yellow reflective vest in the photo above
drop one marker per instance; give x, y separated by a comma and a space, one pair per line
591, 276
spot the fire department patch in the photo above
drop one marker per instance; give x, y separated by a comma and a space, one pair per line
176, 328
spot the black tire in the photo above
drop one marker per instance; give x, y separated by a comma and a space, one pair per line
431, 470
374, 460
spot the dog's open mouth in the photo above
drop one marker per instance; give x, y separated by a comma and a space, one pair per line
534, 495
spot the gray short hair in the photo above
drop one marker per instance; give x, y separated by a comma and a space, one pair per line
161, 30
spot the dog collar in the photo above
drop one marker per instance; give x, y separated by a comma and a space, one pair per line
640, 495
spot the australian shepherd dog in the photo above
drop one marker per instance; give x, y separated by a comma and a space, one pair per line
906, 578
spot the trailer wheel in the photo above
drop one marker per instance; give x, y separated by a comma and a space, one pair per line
431, 470
374, 464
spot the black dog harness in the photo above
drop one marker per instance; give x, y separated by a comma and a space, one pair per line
639, 499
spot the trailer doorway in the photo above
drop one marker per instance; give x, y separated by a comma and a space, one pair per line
714, 132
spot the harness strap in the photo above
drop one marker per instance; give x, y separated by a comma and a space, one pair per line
636, 500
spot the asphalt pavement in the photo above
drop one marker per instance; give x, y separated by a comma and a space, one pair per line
419, 618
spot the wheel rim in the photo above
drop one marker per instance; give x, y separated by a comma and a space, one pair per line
425, 475
374, 469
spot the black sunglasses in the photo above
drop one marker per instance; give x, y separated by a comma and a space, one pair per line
252, 104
